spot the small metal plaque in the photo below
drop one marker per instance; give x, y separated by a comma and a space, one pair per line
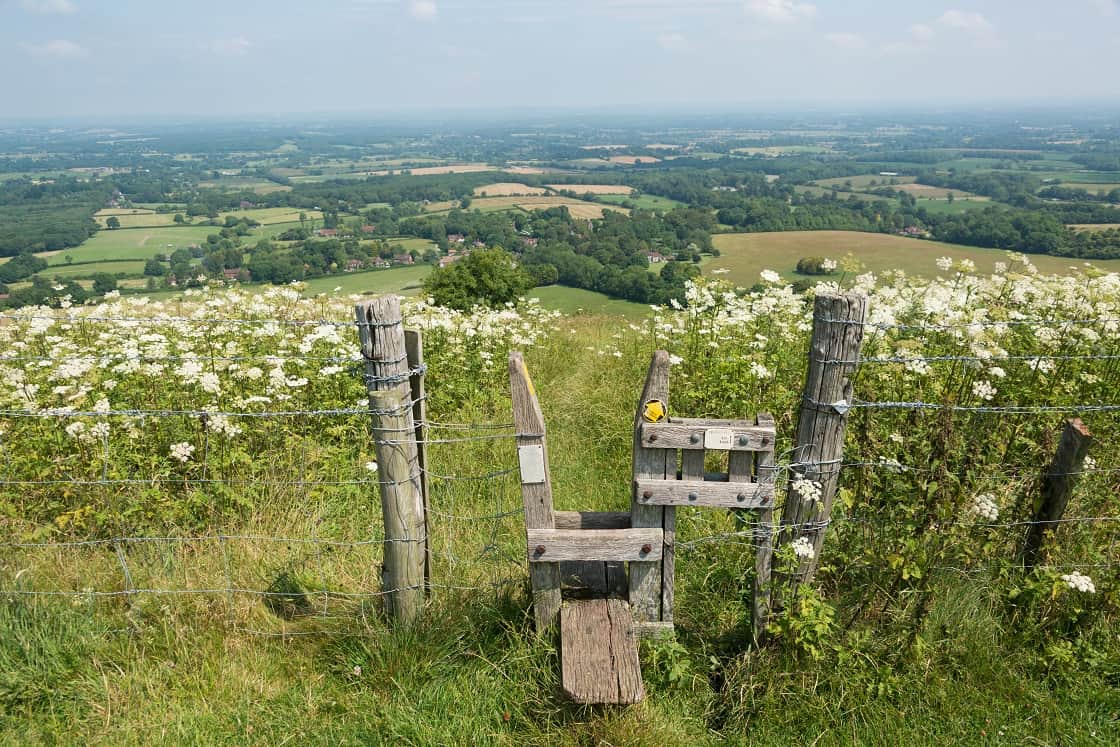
718, 439
531, 459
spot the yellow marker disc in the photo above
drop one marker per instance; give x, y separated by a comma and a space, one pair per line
654, 411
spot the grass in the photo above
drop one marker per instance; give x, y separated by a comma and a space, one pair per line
578, 208
578, 300
506, 189
135, 218
405, 280
133, 243
269, 216
863, 181
409, 243
643, 202
956, 207
113, 267
748, 254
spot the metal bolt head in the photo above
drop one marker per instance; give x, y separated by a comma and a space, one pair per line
646, 549
692, 496
765, 440
744, 440
653, 438
647, 495
694, 438
741, 497
540, 549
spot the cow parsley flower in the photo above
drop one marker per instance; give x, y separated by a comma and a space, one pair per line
1079, 582
983, 390
803, 548
984, 505
182, 451
371, 466
807, 489
770, 276
944, 263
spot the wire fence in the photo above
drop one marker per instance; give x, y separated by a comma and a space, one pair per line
323, 570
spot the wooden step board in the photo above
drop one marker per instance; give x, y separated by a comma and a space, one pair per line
599, 653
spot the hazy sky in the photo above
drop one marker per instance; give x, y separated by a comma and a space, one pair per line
205, 57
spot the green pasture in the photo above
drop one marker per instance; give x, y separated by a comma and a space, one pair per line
87, 270
643, 202
745, 255
577, 301
863, 181
133, 243
403, 280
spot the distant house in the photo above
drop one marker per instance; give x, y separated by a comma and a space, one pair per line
246, 205
382, 263
403, 259
232, 273
529, 241
456, 238
655, 257
448, 260
326, 232
369, 229
915, 231
478, 244
354, 264
5, 295
888, 173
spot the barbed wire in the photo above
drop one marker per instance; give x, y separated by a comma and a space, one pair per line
1030, 322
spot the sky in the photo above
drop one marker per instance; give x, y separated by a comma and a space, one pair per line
96, 58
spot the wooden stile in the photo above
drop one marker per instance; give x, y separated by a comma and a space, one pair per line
414, 348
599, 658
382, 338
760, 596
557, 545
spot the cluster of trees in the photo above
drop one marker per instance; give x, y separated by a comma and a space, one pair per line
48, 216
20, 267
42, 292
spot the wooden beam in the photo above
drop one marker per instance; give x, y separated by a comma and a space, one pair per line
591, 519
536, 494
691, 437
555, 545
598, 654
1057, 486
704, 494
760, 591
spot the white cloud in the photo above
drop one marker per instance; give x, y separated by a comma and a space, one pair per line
237, 46
846, 40
425, 10
922, 31
965, 21
780, 11
56, 49
49, 7
672, 41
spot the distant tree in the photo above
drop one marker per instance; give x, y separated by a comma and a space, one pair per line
69, 259
154, 268
179, 218
103, 282
113, 223
490, 277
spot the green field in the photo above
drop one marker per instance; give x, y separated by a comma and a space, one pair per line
409, 243
133, 243
404, 280
745, 255
85, 270
644, 202
269, 216
863, 181
577, 300
136, 218
956, 207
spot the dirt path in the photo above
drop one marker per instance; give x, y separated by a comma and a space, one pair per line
144, 240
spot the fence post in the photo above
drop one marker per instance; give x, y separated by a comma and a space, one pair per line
381, 332
833, 355
414, 347
1057, 486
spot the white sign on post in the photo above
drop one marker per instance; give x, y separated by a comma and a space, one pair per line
718, 439
531, 459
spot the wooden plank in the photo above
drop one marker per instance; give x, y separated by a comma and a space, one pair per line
655, 629
674, 436
591, 519
833, 349
382, 342
658, 464
1057, 486
536, 497
556, 545
414, 348
704, 494
598, 654
584, 578
760, 591
746, 424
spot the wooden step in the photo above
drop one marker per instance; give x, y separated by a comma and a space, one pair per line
598, 652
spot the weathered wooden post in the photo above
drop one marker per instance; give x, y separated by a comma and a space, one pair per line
536, 487
833, 355
1057, 486
414, 346
381, 333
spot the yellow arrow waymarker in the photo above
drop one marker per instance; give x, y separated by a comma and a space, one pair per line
654, 411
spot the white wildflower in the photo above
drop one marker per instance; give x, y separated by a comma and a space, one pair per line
770, 276
807, 489
983, 390
371, 466
182, 451
76, 429
829, 265
944, 263
803, 548
984, 505
1079, 582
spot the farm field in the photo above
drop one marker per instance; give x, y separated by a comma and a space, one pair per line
1093, 226
643, 202
925, 191
956, 207
403, 280
507, 189
134, 218
268, 216
745, 255
631, 160
409, 243
578, 208
133, 243
236, 183
864, 181
577, 300
595, 189
128, 267
1092, 187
